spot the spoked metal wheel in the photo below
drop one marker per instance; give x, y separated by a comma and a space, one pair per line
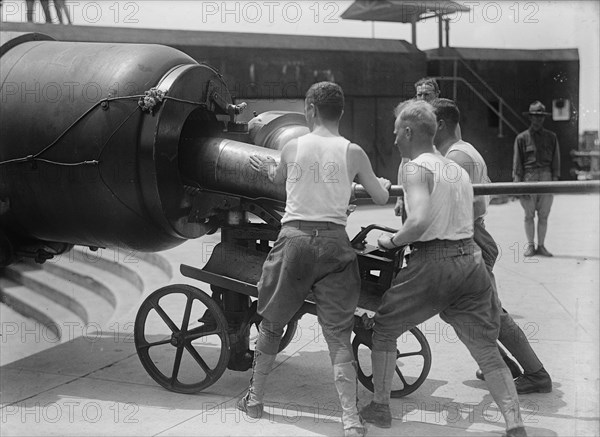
413, 362
254, 320
181, 338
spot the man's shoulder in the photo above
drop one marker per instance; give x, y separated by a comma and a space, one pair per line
465, 148
549, 133
430, 162
355, 150
291, 143
462, 146
290, 148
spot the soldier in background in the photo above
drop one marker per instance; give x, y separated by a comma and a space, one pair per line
45, 6
536, 159
61, 8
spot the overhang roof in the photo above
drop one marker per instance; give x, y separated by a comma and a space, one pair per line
400, 11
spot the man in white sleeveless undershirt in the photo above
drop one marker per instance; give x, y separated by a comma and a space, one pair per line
312, 251
445, 273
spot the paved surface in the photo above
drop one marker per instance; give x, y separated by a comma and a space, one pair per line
94, 383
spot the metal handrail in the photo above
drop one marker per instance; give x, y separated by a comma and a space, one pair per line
484, 83
483, 99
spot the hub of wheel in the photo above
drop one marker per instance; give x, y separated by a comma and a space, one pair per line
176, 339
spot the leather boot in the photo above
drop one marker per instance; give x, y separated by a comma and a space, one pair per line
516, 432
541, 250
344, 376
252, 402
502, 388
378, 412
536, 382
530, 250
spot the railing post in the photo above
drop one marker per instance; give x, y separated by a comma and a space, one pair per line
440, 31
454, 76
500, 120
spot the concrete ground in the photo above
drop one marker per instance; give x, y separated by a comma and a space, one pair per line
93, 384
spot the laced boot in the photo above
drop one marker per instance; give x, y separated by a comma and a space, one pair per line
377, 414
252, 402
378, 411
536, 382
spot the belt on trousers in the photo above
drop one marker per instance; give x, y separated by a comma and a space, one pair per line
309, 226
443, 248
313, 227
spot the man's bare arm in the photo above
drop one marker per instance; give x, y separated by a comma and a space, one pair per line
399, 208
418, 194
376, 187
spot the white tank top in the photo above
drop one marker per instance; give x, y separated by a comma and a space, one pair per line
318, 186
451, 198
478, 173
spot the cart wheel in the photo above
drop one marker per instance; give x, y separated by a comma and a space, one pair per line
254, 320
413, 362
179, 347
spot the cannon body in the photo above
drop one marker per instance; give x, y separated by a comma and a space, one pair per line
119, 145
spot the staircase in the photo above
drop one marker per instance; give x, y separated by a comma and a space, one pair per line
464, 75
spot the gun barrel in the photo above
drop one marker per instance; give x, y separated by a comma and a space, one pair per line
510, 188
223, 165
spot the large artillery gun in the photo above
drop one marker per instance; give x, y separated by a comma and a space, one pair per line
139, 147
133, 146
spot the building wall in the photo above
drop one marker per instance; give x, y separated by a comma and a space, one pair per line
519, 83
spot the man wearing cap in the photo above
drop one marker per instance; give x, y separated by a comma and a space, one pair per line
536, 158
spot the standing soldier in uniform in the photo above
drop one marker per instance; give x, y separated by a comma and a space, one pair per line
536, 158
